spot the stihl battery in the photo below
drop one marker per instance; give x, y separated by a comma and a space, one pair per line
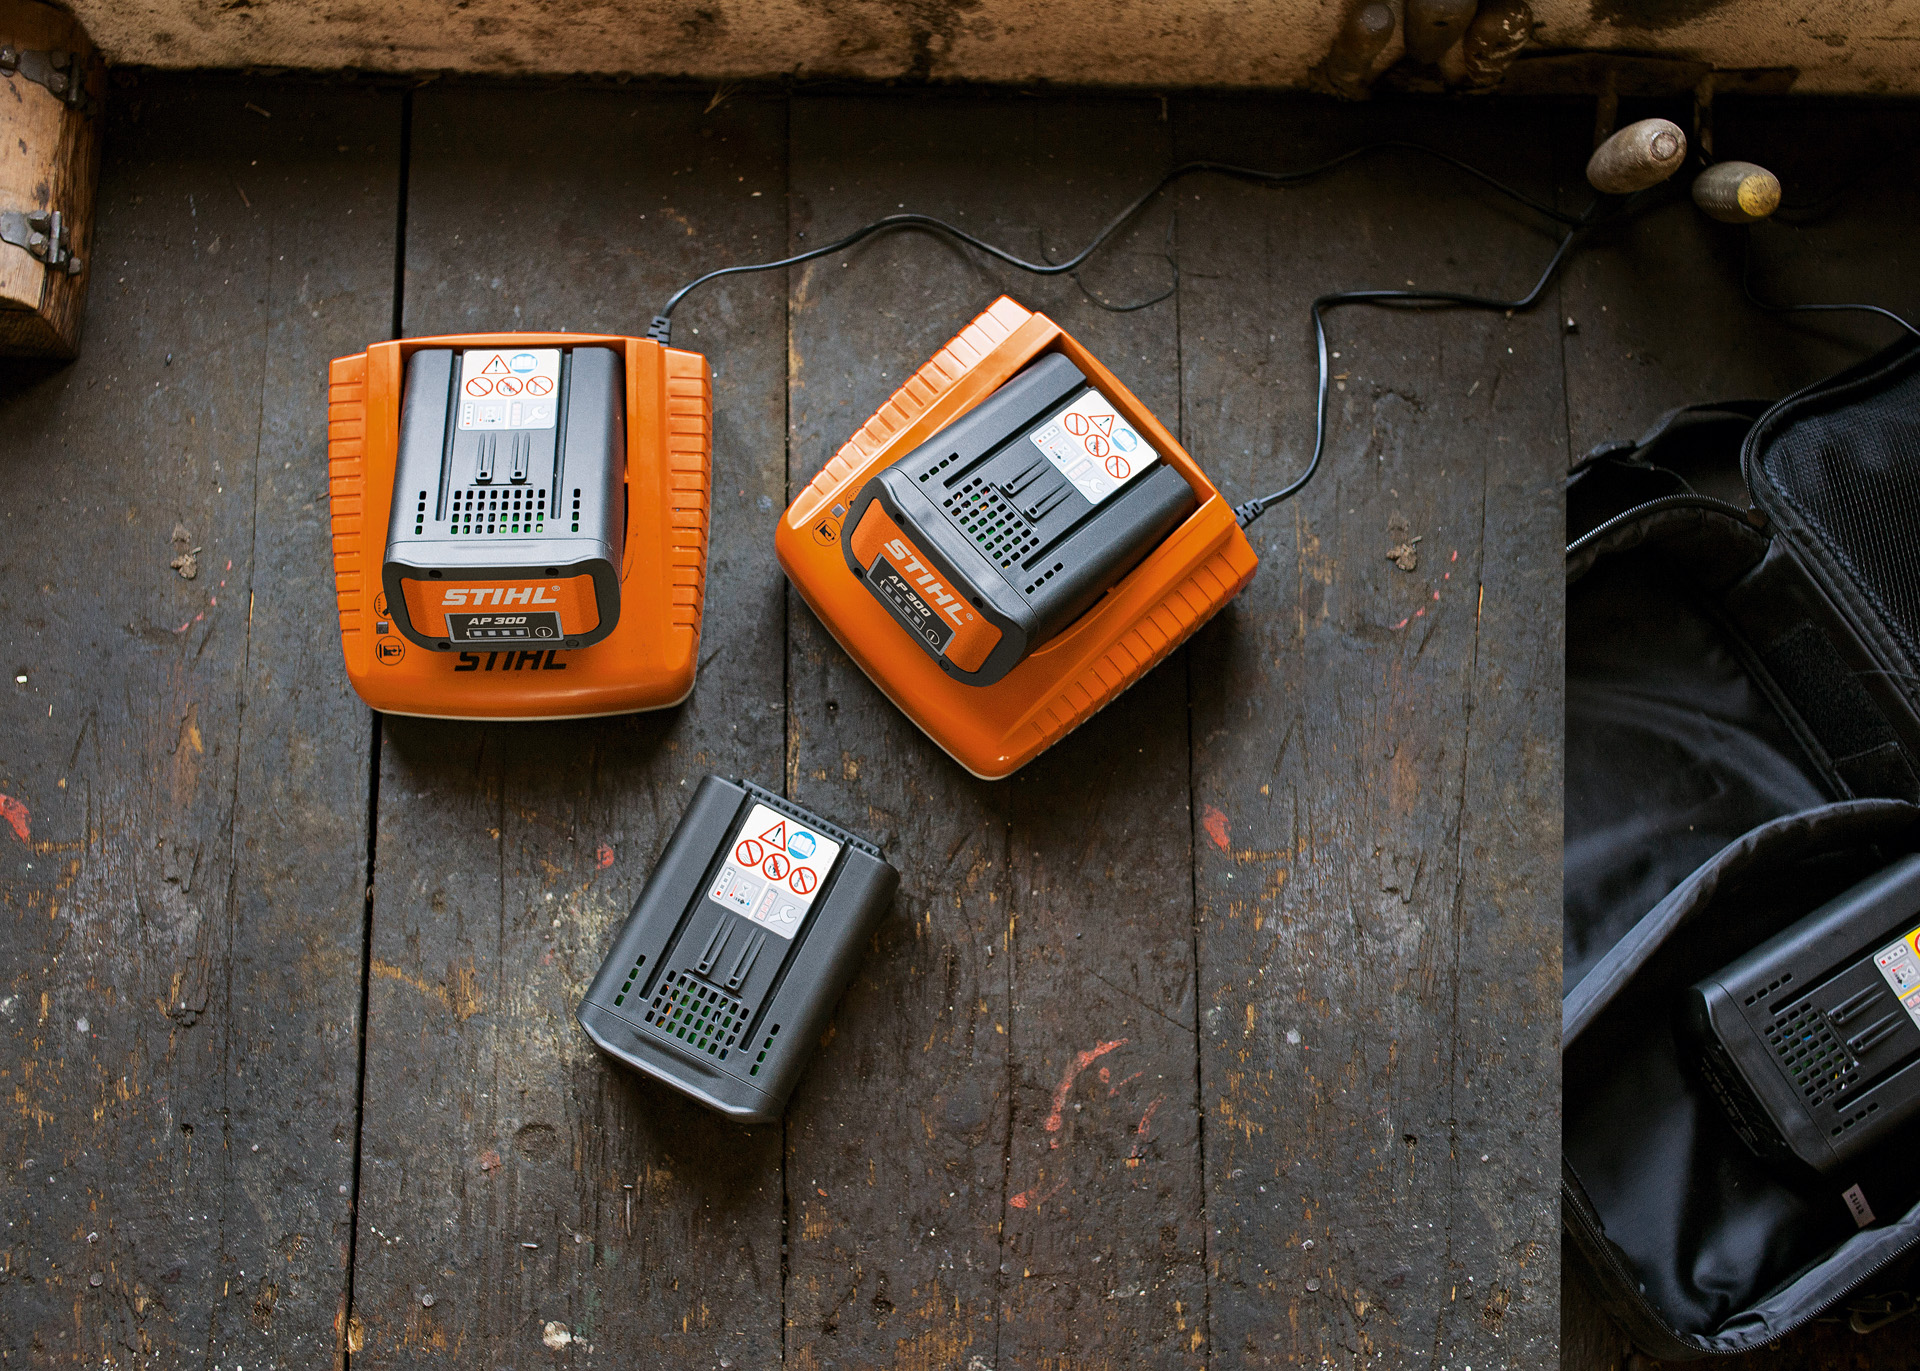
1811, 1042
1006, 526
508, 520
750, 926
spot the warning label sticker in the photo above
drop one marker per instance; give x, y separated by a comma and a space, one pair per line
510, 388
773, 870
1093, 447
1900, 964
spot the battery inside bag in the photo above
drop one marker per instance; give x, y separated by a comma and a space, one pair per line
1701, 818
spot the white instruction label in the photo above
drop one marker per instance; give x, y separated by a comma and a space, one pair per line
1900, 964
774, 870
1093, 447
509, 388
1856, 1200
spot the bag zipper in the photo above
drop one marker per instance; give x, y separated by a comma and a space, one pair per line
1598, 1242
1663, 502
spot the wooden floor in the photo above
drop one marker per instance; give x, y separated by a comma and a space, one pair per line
286, 992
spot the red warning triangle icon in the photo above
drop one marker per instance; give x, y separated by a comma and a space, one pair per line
1103, 422
497, 367
776, 836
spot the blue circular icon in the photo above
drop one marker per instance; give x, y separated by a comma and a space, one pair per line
1124, 438
801, 843
523, 362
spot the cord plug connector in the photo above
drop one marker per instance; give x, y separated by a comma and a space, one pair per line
661, 330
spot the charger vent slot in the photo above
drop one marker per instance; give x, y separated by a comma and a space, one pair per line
990, 519
482, 510
1812, 1054
696, 1014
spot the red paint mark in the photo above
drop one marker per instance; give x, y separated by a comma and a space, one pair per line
1033, 1198
489, 1160
1140, 1129
14, 813
821, 1193
229, 565
605, 856
1115, 1090
1436, 594
1446, 575
1402, 624
213, 599
1081, 1061
1456, 555
184, 627
1105, 1075
1419, 613
1216, 825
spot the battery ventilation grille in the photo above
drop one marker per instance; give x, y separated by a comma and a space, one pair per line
632, 976
1783, 978
420, 515
765, 1048
1858, 1116
1812, 1053
1045, 576
990, 519
513, 510
698, 1015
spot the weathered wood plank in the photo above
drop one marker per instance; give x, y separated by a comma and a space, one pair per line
508, 855
1663, 323
993, 1160
183, 885
1376, 753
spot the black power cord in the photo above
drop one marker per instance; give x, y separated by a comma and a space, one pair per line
661, 329
1249, 510
1770, 307
1246, 512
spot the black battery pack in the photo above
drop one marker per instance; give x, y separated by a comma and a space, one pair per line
1811, 1041
749, 928
1003, 528
509, 519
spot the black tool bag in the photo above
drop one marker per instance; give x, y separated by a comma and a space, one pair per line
1743, 744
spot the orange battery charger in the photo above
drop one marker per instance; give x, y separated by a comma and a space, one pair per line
520, 523
953, 565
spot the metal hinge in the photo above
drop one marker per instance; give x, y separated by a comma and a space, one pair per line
56, 70
44, 234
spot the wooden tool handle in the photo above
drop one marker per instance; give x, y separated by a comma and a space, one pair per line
1638, 156
1737, 192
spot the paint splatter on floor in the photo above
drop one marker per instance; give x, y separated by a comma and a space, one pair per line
16, 815
1081, 1061
1216, 825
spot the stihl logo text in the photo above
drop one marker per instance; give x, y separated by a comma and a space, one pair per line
917, 571
457, 597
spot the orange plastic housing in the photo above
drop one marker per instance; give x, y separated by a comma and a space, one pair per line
995, 730
647, 662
